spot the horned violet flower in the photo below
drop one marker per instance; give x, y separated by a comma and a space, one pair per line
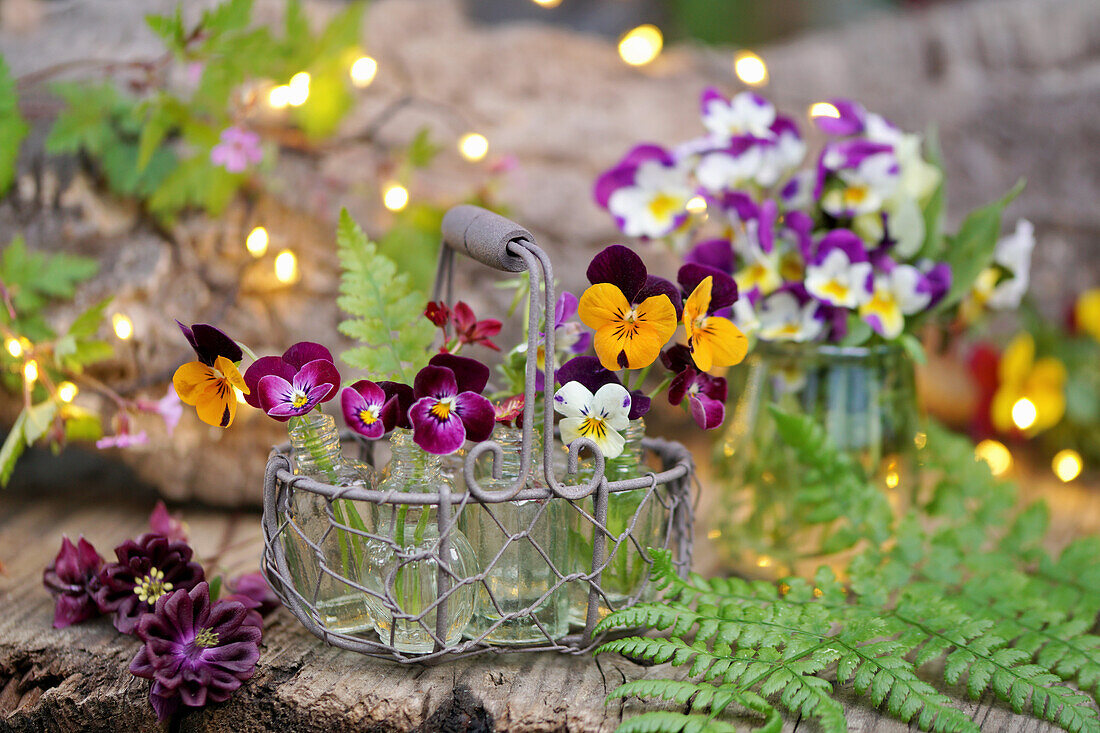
72, 579
713, 341
647, 192
292, 384
208, 383
449, 408
588, 371
598, 417
705, 395
368, 410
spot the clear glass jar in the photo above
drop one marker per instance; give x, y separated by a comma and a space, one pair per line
407, 608
315, 546
518, 574
761, 523
639, 510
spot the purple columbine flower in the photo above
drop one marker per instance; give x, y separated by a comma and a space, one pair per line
368, 410
252, 591
72, 579
706, 395
169, 525
147, 568
591, 374
292, 384
196, 652
238, 149
449, 408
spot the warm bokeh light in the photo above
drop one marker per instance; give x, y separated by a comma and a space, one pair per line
30, 371
1067, 464
363, 71
14, 347
824, 109
298, 89
995, 454
124, 327
893, 478
750, 68
697, 205
1024, 413
286, 267
920, 440
641, 45
547, 3
473, 146
279, 97
763, 561
256, 242
395, 197
66, 391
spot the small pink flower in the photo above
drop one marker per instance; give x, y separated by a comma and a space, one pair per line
239, 148
168, 407
122, 440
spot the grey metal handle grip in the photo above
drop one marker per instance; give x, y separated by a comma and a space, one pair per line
484, 236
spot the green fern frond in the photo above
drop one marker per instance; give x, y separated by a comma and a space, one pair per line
386, 314
662, 721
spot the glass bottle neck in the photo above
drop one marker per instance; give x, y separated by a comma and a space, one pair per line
633, 435
411, 467
315, 445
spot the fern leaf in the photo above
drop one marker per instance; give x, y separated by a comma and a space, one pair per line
386, 314
662, 721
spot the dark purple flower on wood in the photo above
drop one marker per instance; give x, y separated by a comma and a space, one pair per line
72, 579
368, 410
253, 591
147, 568
589, 372
449, 409
706, 395
196, 652
209, 343
169, 525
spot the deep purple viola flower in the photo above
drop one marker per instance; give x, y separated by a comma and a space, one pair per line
569, 335
623, 268
404, 395
196, 652
713, 253
209, 343
723, 288
314, 383
147, 568
938, 278
706, 395
444, 415
589, 372
286, 366
72, 579
470, 374
253, 592
368, 410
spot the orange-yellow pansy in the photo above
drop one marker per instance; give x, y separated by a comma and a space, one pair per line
210, 389
1041, 382
627, 336
712, 340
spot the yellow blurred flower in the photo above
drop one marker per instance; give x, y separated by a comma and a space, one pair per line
1032, 393
1087, 312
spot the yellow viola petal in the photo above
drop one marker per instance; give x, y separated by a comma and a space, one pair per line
231, 373
699, 301
1087, 312
217, 405
1049, 373
608, 344
1017, 360
644, 346
658, 312
1000, 411
601, 304
720, 342
191, 380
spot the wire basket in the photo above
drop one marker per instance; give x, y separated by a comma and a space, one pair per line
664, 492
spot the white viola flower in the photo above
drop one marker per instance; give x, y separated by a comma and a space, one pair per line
746, 113
598, 417
903, 291
905, 223
841, 273
744, 316
864, 188
647, 191
782, 155
731, 167
797, 193
783, 316
917, 178
760, 272
1013, 253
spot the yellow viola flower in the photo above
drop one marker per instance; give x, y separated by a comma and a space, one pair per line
713, 341
207, 384
1032, 393
1087, 312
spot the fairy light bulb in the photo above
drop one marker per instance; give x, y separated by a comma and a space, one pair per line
30, 372
286, 267
824, 109
124, 327
697, 205
66, 391
279, 97
256, 242
750, 68
995, 454
473, 146
1024, 413
14, 347
639, 46
363, 71
298, 89
395, 197
1067, 464
547, 3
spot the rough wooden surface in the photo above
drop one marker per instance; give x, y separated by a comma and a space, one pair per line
76, 678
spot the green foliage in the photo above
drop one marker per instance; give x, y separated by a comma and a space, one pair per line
386, 312
13, 128
33, 280
963, 590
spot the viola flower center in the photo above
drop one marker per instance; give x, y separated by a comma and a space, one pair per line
836, 290
152, 586
299, 400
663, 206
206, 638
368, 416
855, 194
593, 427
443, 408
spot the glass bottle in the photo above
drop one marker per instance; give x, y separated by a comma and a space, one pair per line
624, 579
518, 573
320, 557
864, 398
407, 606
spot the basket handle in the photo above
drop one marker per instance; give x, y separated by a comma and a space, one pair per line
484, 236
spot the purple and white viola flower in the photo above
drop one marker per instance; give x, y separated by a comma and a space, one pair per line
588, 371
840, 274
856, 177
449, 408
286, 367
647, 192
598, 417
705, 395
746, 113
790, 314
735, 165
316, 382
781, 154
368, 410
901, 291
570, 336
1013, 254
